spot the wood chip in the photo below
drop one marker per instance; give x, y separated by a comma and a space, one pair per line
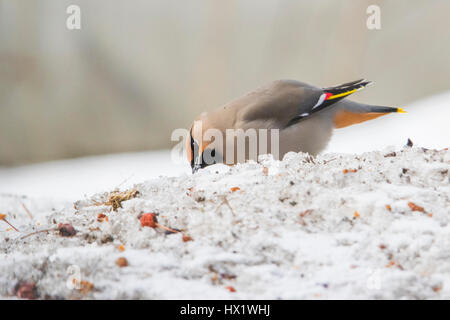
415, 207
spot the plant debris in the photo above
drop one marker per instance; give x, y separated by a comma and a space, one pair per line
150, 220
3, 217
349, 170
415, 207
230, 288
409, 143
392, 154
102, 217
117, 197
27, 211
85, 286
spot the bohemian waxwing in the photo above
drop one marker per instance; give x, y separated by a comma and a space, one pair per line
302, 115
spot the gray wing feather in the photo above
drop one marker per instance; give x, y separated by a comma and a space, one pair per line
280, 102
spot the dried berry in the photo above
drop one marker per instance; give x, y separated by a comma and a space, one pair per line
230, 288
122, 262
437, 288
26, 290
187, 238
66, 230
149, 220
390, 264
101, 217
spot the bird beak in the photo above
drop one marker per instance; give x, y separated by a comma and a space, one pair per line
195, 168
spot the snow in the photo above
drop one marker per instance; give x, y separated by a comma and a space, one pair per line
74, 179
303, 229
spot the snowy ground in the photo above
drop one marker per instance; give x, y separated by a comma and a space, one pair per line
372, 225
300, 229
74, 179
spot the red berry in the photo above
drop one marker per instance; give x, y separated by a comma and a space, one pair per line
26, 290
66, 230
230, 288
149, 220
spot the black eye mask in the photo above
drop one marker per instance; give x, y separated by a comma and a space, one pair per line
194, 148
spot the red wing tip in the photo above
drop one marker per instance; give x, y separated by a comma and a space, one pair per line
328, 95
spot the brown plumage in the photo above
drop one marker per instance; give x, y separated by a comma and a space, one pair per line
303, 115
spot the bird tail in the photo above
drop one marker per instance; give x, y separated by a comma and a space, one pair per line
353, 113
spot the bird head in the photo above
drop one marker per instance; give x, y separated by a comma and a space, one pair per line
203, 145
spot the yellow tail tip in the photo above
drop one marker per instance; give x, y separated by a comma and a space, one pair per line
400, 110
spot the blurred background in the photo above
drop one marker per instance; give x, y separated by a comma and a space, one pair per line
139, 69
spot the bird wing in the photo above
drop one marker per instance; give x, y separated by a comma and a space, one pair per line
328, 97
290, 101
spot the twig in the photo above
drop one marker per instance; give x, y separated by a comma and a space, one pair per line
39, 231
225, 200
3, 217
326, 161
167, 228
27, 211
